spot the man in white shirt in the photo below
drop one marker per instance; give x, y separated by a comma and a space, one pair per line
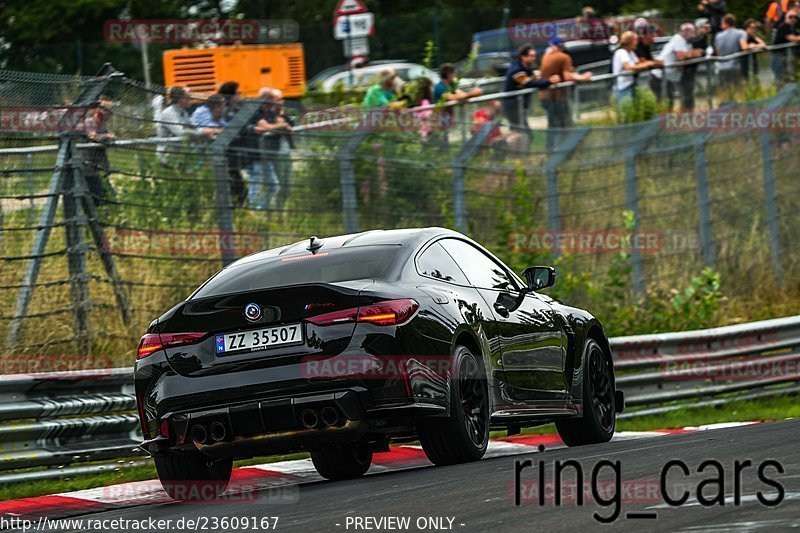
677, 49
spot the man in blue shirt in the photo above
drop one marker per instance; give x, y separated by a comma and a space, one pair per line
521, 75
211, 114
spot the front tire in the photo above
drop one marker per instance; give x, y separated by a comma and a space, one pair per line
192, 476
599, 410
464, 436
347, 462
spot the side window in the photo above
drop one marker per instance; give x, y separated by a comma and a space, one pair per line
436, 263
481, 270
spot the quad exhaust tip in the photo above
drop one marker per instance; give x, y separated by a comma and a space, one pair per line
330, 417
199, 433
218, 431
309, 419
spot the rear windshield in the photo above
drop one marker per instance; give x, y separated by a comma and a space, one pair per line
331, 266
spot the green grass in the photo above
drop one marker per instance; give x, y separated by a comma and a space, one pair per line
759, 410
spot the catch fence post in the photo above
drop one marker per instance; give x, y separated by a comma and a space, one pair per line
347, 177
647, 132
770, 185
220, 148
75, 225
87, 97
459, 166
707, 245
557, 157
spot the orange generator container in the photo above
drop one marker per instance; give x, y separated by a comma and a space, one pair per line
279, 66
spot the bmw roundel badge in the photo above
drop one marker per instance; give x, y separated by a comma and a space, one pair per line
252, 312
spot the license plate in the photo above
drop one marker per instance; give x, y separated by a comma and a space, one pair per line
259, 339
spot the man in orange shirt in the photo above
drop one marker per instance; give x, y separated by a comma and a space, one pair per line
555, 102
775, 13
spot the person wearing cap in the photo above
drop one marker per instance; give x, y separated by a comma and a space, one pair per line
264, 184
175, 121
278, 144
699, 48
556, 62
96, 166
381, 93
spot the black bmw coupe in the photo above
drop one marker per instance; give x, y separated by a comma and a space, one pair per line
343, 345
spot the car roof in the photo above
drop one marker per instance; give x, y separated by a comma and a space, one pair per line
410, 237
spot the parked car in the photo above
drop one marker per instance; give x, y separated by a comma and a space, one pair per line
326, 80
344, 345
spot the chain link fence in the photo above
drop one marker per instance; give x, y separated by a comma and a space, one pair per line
99, 238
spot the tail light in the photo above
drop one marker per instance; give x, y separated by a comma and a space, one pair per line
388, 313
152, 342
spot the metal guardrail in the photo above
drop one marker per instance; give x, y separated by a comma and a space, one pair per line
61, 418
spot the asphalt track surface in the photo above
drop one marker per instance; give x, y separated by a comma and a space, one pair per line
479, 496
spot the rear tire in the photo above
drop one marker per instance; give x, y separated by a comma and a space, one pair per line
193, 476
464, 436
347, 462
599, 410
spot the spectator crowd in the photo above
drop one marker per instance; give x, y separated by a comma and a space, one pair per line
260, 168
262, 149
672, 69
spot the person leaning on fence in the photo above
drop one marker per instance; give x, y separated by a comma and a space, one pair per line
645, 33
700, 46
211, 114
276, 128
679, 48
382, 93
237, 158
787, 31
176, 122
521, 75
624, 64
556, 62
281, 144
446, 90
751, 43
96, 167
263, 183
727, 42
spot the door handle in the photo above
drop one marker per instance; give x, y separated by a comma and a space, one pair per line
501, 309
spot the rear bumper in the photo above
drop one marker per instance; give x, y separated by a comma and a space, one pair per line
283, 425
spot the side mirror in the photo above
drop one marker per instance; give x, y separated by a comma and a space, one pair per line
539, 277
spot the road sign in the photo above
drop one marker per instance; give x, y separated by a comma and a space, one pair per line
358, 46
352, 26
349, 7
